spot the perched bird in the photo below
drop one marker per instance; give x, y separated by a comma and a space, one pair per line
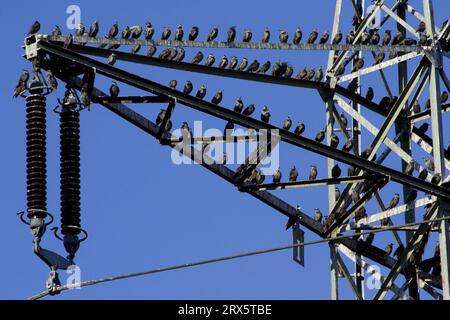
429, 163
369, 239
353, 85
112, 59
334, 141
375, 39
424, 38
52, 80
337, 38
355, 196
358, 64
165, 54
412, 196
348, 146
197, 58
336, 171
300, 128
337, 193
68, 41
318, 215
343, 120
231, 34
233, 63
386, 37
301, 74
238, 105
436, 178
35, 27
151, 50
213, 34
409, 169
394, 201
113, 31
243, 64
350, 38
416, 107
180, 55
149, 31
249, 110
312, 37
265, 114
187, 89
297, 36
320, 136
384, 102
408, 42
224, 62
397, 38
193, 34
135, 48
289, 71
135, 32
247, 35
365, 38
423, 174
254, 66
25, 76
56, 31
186, 131
324, 38
126, 33
283, 36
20, 87
173, 53
361, 213
287, 123
179, 33
210, 60
340, 70
166, 33
217, 97
421, 27
293, 174
84, 97
319, 75
266, 36
313, 173
93, 30
114, 90
201, 93
279, 68
276, 178
379, 58
173, 84
310, 75
388, 250
160, 117
444, 97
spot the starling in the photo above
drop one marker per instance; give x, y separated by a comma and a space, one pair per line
313, 173
160, 117
180, 55
297, 36
318, 215
301, 74
421, 27
151, 51
35, 27
135, 49
193, 34
217, 97
56, 31
113, 31
224, 62
336, 171
284, 36
337, 193
348, 146
276, 178
319, 75
343, 120
254, 66
334, 141
293, 174
179, 33
187, 87
210, 60
394, 201
149, 31
265, 114
337, 38
165, 54
212, 34
24, 77
238, 105
416, 107
201, 93
68, 41
361, 213
312, 37
340, 70
114, 90
52, 80
166, 33
126, 32
93, 31
264, 67
436, 178
300, 128
423, 40
353, 85
375, 39
173, 53
20, 87
444, 97
320, 135
408, 42
231, 34
233, 63
409, 169
388, 250
311, 73
412, 196
186, 131
197, 58
249, 110
135, 32
112, 59
247, 36
289, 71
398, 38
369, 239
242, 65
423, 174
358, 64
287, 123
365, 38
324, 38
386, 37
429, 163
379, 58
350, 38
173, 84
266, 36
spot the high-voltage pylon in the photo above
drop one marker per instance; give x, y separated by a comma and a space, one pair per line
68, 57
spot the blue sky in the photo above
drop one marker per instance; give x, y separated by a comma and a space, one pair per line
144, 212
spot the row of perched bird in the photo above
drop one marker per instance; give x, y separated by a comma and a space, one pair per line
22, 84
371, 36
